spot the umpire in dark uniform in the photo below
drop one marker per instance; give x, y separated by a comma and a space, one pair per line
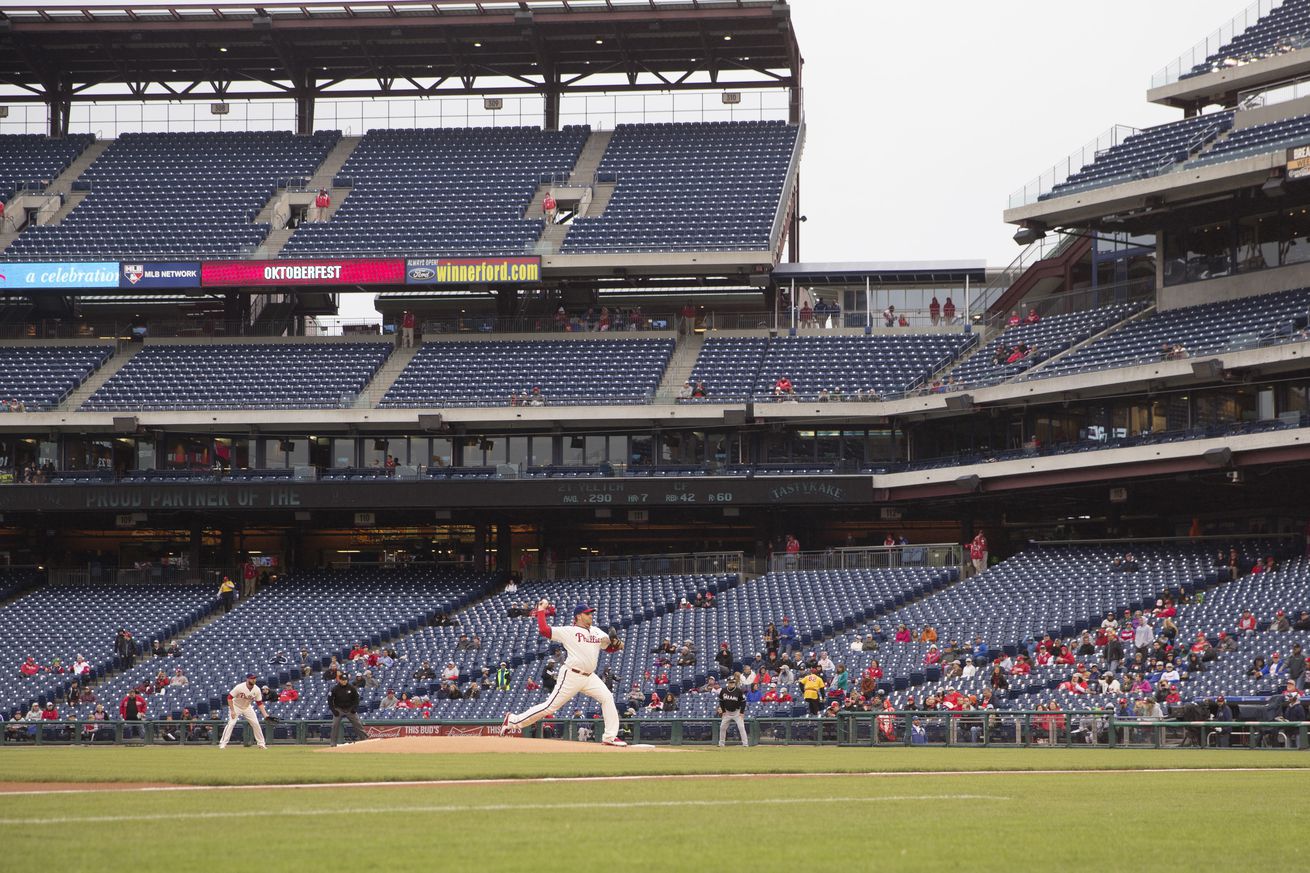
732, 706
343, 700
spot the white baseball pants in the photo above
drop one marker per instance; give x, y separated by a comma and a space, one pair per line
733, 718
570, 684
248, 715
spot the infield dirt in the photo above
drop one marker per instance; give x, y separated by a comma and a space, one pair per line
479, 745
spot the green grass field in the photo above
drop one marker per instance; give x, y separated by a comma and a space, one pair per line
1109, 815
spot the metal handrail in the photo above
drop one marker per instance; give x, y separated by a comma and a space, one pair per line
605, 566
942, 555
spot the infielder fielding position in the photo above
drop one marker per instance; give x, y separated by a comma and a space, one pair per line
578, 674
241, 703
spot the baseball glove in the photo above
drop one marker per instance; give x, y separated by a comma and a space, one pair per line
272, 719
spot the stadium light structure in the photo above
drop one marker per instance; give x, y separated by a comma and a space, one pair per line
1029, 234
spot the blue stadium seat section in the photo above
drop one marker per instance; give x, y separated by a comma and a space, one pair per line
574, 373
739, 368
1061, 591
31, 157
1284, 28
1145, 153
731, 365
178, 195
242, 376
1257, 139
442, 192
1202, 330
1044, 340
711, 186
307, 618
64, 621
626, 604
41, 377
319, 613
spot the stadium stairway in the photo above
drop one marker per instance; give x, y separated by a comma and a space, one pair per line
324, 177
1026, 374
583, 175
681, 365
180, 637
63, 185
385, 377
93, 383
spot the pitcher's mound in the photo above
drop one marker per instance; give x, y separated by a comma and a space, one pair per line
479, 745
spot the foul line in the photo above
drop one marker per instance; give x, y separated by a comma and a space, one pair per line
111, 788
490, 807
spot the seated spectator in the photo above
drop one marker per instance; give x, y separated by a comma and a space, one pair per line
1246, 624
1258, 668
1280, 624
30, 667
288, 694
700, 392
1033, 317
684, 393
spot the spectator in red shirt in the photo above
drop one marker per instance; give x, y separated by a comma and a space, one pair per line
783, 387
1014, 318
550, 206
807, 316
1033, 317
407, 329
935, 311
948, 311
29, 667
1246, 624
903, 634
321, 204
288, 694
1051, 723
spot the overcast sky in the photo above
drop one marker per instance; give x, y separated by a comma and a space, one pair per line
924, 117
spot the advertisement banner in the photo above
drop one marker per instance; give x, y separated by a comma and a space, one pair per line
54, 274
166, 274
391, 732
307, 272
471, 271
1298, 162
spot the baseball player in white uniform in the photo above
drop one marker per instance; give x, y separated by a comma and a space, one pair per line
578, 675
241, 703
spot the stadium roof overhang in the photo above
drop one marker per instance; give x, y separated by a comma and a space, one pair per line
882, 272
1225, 87
404, 48
1133, 203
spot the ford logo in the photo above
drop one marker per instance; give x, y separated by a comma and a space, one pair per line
421, 274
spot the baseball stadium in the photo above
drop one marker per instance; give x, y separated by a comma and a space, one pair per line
424, 444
